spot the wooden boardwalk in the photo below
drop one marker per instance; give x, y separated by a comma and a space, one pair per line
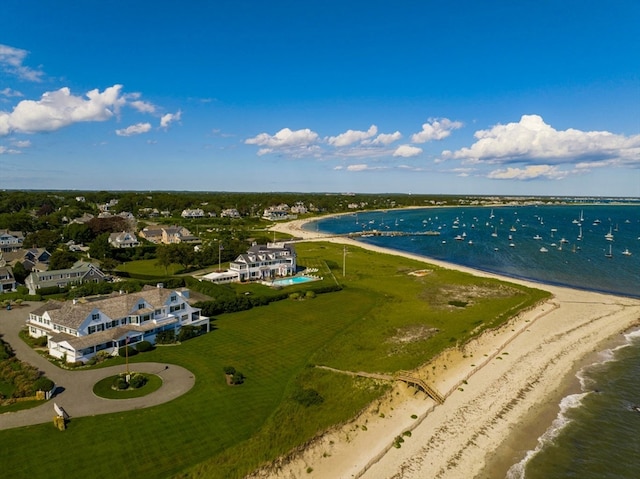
404, 376
415, 381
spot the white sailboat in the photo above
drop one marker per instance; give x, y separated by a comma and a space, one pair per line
610, 253
609, 235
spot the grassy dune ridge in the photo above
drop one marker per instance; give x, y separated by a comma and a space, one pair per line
383, 320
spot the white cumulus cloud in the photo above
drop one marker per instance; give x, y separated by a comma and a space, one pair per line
529, 172
350, 137
11, 62
407, 151
285, 140
169, 118
60, 108
532, 141
136, 129
360, 167
384, 139
435, 129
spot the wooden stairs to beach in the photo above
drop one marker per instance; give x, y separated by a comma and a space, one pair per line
406, 377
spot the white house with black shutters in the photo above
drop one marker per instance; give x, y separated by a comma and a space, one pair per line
268, 261
77, 331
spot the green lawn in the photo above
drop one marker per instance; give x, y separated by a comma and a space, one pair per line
148, 267
221, 431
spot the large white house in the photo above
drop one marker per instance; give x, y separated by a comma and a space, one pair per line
77, 331
265, 262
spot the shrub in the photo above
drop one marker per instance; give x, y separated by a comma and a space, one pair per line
137, 380
230, 370
102, 356
310, 294
144, 346
188, 332
127, 351
120, 383
166, 337
41, 341
237, 378
43, 384
308, 397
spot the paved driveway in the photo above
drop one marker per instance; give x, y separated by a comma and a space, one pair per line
76, 396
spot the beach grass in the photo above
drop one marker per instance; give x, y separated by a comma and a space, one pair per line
383, 320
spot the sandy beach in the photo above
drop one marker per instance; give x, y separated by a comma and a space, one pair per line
502, 392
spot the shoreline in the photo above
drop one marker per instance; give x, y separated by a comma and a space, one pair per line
298, 227
478, 431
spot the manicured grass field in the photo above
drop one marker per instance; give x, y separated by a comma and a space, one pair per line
148, 267
221, 431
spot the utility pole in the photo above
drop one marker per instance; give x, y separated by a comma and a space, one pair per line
344, 260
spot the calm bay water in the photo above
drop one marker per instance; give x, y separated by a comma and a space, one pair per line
595, 247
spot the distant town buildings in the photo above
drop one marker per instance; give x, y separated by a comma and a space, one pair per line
229, 213
124, 239
193, 214
169, 235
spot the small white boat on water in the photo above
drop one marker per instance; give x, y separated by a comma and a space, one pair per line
609, 235
544, 250
626, 252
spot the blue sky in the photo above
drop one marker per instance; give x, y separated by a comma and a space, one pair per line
466, 97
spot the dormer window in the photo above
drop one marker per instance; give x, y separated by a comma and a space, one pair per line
95, 316
141, 305
173, 298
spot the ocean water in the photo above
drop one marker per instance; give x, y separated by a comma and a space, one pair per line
596, 433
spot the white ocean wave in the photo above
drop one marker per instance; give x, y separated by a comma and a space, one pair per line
517, 471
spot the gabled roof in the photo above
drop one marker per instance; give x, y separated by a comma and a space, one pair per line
115, 307
12, 234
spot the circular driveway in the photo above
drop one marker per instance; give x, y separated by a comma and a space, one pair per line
75, 388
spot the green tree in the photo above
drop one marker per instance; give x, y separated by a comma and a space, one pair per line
79, 233
182, 254
62, 259
99, 247
163, 257
20, 273
47, 239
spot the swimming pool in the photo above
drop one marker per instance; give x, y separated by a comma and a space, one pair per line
292, 281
